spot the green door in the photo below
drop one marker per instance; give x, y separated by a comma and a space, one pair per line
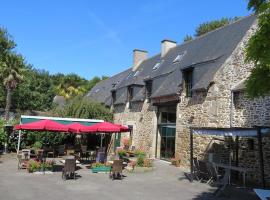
167, 145
117, 140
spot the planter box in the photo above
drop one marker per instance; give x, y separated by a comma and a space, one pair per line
104, 169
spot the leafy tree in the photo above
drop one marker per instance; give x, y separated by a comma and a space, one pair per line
38, 88
6, 42
258, 52
187, 38
11, 70
255, 4
2, 133
81, 107
70, 85
209, 26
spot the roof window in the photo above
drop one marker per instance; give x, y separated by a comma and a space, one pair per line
179, 57
136, 73
129, 75
157, 65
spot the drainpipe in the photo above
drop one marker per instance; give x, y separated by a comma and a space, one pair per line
231, 110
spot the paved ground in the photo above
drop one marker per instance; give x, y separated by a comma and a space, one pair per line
164, 183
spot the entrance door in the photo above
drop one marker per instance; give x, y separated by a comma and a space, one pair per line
167, 146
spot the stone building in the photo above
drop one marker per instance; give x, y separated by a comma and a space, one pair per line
198, 83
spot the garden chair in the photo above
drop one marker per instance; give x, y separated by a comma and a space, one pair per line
84, 153
116, 170
69, 169
26, 153
22, 161
214, 176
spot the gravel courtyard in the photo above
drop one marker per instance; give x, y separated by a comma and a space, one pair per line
164, 183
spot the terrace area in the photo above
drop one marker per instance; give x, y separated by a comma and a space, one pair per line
164, 182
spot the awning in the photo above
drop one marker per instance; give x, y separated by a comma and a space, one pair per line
43, 125
106, 127
75, 127
241, 132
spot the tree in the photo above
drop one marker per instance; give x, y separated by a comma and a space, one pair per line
187, 38
37, 86
258, 52
210, 26
81, 107
6, 43
255, 4
11, 70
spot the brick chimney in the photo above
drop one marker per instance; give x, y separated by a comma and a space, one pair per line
166, 45
138, 57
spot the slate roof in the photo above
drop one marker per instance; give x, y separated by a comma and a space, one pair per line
101, 92
205, 55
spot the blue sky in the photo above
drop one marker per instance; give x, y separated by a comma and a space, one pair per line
97, 37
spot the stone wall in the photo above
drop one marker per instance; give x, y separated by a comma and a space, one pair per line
213, 109
142, 116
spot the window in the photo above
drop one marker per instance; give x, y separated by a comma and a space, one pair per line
157, 65
148, 87
188, 78
237, 100
179, 57
130, 93
113, 96
129, 75
136, 73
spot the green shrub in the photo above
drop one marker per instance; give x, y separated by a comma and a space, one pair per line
121, 153
97, 164
37, 145
33, 166
140, 161
139, 153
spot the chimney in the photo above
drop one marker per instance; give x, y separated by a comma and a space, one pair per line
166, 45
138, 57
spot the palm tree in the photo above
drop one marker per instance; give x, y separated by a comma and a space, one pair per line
11, 67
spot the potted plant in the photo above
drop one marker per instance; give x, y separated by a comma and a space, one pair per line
121, 153
100, 167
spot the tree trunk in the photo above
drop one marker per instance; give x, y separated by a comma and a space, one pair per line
8, 103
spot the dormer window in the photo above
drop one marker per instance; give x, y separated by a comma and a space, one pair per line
188, 80
130, 93
113, 96
148, 88
179, 57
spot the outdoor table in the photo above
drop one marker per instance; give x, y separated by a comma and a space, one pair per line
262, 194
233, 168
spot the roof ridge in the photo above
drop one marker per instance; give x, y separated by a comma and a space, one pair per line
215, 30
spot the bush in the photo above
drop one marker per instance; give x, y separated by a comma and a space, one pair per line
121, 153
34, 166
139, 153
140, 161
3, 136
97, 164
37, 145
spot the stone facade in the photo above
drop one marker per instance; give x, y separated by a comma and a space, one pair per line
142, 116
212, 108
